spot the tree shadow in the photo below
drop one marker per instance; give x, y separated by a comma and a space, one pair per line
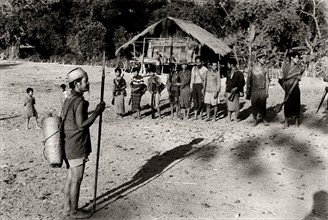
297, 153
244, 154
154, 168
320, 206
8, 65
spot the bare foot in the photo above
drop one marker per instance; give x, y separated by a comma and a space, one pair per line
297, 122
66, 214
285, 125
80, 214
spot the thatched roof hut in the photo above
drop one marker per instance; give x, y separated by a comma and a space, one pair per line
175, 37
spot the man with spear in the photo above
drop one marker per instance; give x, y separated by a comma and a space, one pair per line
77, 142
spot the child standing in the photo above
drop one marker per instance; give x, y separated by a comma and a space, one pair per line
30, 109
173, 88
63, 96
138, 88
119, 92
154, 88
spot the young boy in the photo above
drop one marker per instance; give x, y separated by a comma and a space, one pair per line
30, 109
173, 88
185, 75
212, 89
138, 88
154, 84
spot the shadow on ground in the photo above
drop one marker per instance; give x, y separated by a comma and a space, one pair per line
297, 153
320, 207
155, 167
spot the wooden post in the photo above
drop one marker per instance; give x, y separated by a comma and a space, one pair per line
143, 56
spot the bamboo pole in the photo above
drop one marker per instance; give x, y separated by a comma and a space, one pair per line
99, 131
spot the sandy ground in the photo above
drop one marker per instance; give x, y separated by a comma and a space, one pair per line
168, 168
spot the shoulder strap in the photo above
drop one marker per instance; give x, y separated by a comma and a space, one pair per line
65, 115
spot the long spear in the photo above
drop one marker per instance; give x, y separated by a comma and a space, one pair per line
99, 130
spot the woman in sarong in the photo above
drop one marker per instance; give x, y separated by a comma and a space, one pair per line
234, 88
119, 92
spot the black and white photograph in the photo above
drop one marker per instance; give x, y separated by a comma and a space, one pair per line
164, 109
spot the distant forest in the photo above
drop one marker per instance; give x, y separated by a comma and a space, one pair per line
82, 29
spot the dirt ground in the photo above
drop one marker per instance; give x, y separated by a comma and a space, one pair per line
168, 168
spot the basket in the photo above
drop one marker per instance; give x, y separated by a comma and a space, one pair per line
53, 142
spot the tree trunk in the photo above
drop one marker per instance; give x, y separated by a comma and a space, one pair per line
12, 52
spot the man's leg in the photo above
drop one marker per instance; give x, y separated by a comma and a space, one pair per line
138, 113
157, 100
183, 113
36, 123
195, 100
215, 112
255, 119
159, 112
177, 109
208, 109
76, 180
263, 111
236, 115
67, 188
229, 116
200, 101
286, 123
297, 120
152, 101
27, 123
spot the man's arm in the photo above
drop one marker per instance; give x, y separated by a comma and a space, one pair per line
83, 123
218, 83
192, 78
205, 81
267, 81
149, 85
